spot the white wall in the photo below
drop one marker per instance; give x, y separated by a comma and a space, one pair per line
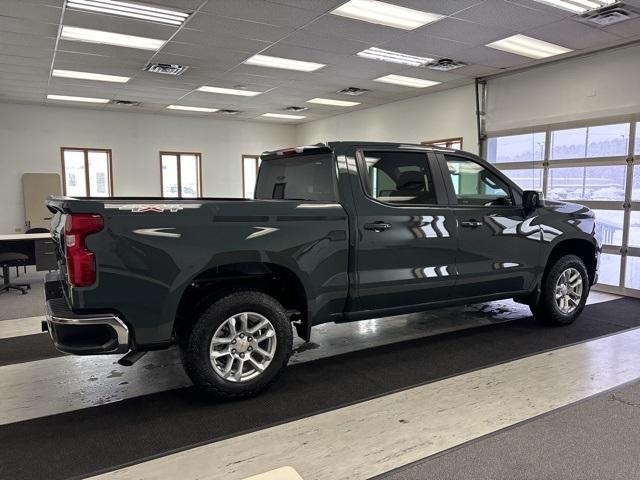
31, 137
599, 85
438, 115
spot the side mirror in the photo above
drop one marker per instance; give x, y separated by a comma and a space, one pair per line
531, 200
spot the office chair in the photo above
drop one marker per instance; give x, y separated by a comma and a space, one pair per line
10, 259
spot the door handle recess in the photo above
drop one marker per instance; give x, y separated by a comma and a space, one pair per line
377, 226
471, 224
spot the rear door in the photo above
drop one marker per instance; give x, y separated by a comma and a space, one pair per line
499, 248
406, 240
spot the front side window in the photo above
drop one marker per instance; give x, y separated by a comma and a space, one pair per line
86, 172
476, 185
297, 177
180, 174
399, 177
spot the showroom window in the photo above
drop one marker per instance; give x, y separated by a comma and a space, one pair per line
180, 174
594, 163
454, 143
86, 172
250, 165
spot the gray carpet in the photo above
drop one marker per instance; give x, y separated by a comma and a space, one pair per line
15, 305
595, 439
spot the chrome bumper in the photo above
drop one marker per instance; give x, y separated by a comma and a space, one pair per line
80, 334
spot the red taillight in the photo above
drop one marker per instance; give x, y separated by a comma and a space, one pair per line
81, 263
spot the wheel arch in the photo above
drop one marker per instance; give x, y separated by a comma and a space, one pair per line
585, 249
274, 279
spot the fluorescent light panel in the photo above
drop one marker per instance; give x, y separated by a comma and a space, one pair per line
68, 98
337, 103
131, 10
284, 63
192, 109
283, 115
375, 53
578, 6
382, 13
88, 35
228, 91
406, 81
528, 47
99, 77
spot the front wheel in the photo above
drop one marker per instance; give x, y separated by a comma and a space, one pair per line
565, 287
239, 346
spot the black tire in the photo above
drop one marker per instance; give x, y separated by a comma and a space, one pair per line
195, 349
547, 310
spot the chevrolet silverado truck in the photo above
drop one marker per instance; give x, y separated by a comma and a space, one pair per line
337, 232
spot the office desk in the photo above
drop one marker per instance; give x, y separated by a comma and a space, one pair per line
37, 246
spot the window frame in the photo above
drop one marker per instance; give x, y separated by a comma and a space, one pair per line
85, 151
447, 141
258, 161
198, 156
430, 162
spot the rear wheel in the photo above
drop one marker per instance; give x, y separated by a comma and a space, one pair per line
239, 345
565, 287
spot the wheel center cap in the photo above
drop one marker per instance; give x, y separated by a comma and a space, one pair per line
242, 344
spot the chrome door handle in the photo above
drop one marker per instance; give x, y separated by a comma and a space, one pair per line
377, 226
471, 224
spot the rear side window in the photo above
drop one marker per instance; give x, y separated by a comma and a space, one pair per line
399, 177
303, 177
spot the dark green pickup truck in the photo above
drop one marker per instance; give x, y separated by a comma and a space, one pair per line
338, 232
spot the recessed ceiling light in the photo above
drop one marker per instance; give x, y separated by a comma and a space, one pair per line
578, 6
528, 47
406, 81
192, 109
337, 103
88, 35
283, 115
387, 14
375, 53
131, 10
285, 63
68, 98
100, 77
228, 91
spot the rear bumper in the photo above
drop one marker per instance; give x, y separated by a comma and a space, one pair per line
83, 334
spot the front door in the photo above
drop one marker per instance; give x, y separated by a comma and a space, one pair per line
406, 241
499, 248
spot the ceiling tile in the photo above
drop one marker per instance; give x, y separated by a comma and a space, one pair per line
30, 11
443, 7
417, 43
256, 11
215, 39
464, 31
492, 57
629, 28
507, 15
242, 28
315, 5
353, 29
572, 34
325, 41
